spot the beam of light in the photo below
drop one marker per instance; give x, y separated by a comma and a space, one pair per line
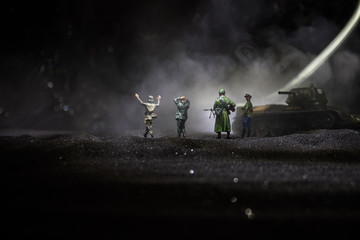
325, 54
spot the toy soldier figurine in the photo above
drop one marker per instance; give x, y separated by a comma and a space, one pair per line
182, 104
149, 113
222, 107
246, 116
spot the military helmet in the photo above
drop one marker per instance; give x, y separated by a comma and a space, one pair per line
222, 91
151, 98
248, 95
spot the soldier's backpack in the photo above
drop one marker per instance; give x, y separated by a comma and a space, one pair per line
219, 109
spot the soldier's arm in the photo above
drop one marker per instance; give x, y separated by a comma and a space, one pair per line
176, 100
232, 103
251, 107
246, 107
138, 98
141, 102
158, 98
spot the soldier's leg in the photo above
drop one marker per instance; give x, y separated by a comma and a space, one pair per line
219, 135
146, 128
183, 128
249, 127
243, 127
243, 132
150, 128
178, 126
146, 131
248, 132
228, 135
181, 125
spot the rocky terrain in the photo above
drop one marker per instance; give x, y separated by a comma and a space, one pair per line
96, 186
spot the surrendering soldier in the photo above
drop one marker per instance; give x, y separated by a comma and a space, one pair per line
150, 115
183, 105
222, 107
246, 116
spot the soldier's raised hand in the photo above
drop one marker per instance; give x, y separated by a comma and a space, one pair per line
137, 96
159, 97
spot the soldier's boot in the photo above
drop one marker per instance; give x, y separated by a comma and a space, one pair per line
184, 134
243, 132
249, 132
145, 134
179, 134
228, 135
152, 135
219, 135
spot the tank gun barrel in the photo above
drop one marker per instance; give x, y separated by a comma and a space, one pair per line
284, 92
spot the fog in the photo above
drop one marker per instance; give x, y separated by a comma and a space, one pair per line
248, 69
241, 46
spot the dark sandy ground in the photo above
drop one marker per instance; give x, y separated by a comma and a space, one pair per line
92, 186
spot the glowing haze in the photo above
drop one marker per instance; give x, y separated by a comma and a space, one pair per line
325, 54
250, 69
82, 74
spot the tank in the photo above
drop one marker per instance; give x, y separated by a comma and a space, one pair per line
305, 109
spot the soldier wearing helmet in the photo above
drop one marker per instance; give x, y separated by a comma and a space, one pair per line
222, 107
150, 115
182, 104
246, 116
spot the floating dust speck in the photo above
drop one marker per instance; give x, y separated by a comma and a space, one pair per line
236, 180
191, 172
249, 213
233, 199
266, 183
50, 84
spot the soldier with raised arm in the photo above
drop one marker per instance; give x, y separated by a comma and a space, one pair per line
182, 104
150, 115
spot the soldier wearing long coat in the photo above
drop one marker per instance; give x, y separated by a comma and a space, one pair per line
150, 115
182, 104
222, 107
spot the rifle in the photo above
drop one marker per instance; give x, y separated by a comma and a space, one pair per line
211, 112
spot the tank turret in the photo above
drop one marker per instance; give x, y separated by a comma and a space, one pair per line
306, 109
306, 98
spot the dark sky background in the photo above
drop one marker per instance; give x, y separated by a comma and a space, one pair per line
75, 65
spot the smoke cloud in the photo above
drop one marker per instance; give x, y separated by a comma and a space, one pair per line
241, 46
